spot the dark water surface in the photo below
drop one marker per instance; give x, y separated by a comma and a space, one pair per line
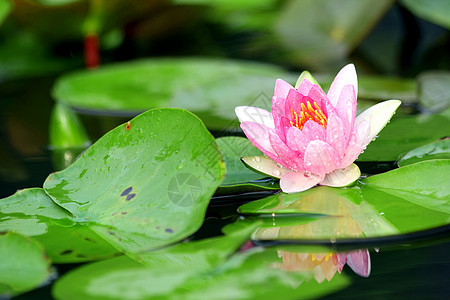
415, 268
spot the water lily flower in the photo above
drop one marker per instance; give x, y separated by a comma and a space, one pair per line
311, 137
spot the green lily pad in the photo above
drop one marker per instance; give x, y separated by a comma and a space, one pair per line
24, 265
437, 150
239, 178
433, 90
250, 275
435, 11
145, 184
427, 180
405, 133
210, 88
384, 205
32, 213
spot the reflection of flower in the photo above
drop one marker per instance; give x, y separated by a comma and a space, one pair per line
325, 265
311, 138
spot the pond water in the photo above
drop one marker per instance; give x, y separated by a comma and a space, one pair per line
414, 265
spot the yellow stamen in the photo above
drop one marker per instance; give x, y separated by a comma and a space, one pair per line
309, 111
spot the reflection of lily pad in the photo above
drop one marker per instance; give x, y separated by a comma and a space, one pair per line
386, 204
210, 88
119, 186
250, 275
23, 264
32, 213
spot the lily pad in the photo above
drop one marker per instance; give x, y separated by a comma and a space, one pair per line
385, 205
32, 213
24, 265
239, 178
405, 133
250, 275
435, 11
145, 184
437, 150
210, 88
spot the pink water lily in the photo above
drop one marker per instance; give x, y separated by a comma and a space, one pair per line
311, 137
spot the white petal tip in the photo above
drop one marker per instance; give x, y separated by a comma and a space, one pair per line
342, 177
378, 116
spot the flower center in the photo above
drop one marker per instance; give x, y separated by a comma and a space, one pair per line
308, 112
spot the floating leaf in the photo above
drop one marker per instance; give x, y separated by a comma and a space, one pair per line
211, 88
435, 11
437, 150
239, 178
145, 184
32, 213
405, 133
23, 266
427, 181
249, 275
433, 90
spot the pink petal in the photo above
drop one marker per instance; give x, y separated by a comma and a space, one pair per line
346, 76
282, 124
289, 157
282, 88
346, 108
293, 101
317, 95
298, 181
278, 106
297, 140
259, 136
359, 262
320, 158
255, 115
356, 144
314, 131
304, 87
336, 134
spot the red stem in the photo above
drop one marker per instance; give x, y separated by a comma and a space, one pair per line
91, 51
